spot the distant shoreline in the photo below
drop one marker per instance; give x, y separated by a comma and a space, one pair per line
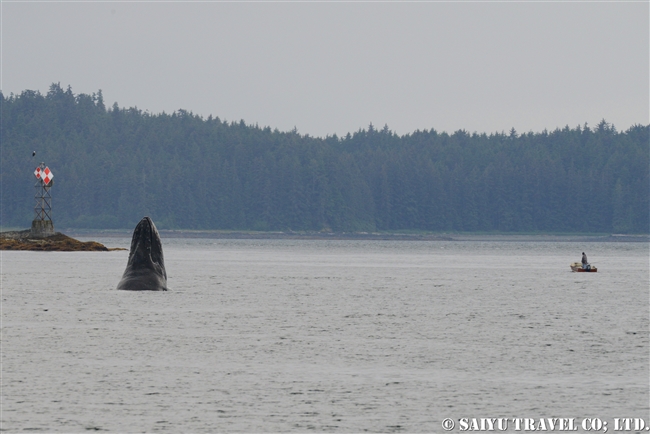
396, 236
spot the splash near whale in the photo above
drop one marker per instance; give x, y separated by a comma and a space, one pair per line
145, 270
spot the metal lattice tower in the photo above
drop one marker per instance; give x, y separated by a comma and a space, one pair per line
42, 224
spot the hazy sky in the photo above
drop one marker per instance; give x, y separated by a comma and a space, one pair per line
334, 67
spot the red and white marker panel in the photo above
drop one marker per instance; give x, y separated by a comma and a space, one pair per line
45, 175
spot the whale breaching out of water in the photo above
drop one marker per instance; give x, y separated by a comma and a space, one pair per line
145, 270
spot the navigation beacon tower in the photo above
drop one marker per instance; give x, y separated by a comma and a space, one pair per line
42, 225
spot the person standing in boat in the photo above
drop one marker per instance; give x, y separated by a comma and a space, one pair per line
585, 263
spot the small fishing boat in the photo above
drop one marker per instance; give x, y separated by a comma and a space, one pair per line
577, 267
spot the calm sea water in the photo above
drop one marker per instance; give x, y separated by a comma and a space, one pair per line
346, 336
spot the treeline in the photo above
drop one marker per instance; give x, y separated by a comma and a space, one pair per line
114, 165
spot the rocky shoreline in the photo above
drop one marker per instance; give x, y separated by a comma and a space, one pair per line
58, 242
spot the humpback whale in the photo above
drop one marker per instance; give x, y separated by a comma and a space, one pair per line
145, 270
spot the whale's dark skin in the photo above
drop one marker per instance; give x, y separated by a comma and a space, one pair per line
145, 270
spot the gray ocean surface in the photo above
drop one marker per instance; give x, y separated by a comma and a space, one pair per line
345, 336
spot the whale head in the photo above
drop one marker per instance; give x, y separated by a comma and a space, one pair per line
145, 270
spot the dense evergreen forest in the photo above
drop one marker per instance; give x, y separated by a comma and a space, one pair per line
114, 165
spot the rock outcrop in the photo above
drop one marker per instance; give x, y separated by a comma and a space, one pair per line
58, 242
